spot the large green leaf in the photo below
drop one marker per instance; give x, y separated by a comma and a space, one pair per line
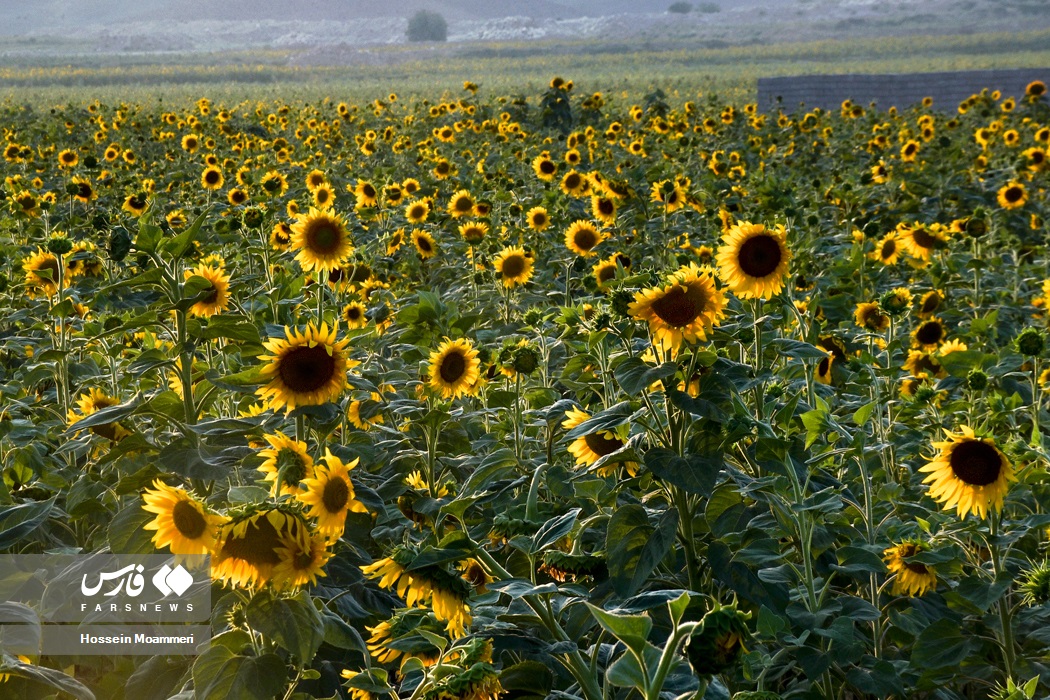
219, 674
293, 623
634, 547
692, 473
17, 522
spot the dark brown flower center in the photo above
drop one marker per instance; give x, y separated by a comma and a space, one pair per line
606, 207
539, 219
322, 237
573, 181
453, 367
585, 239
1013, 194
975, 462
302, 561
680, 305
931, 303
336, 495
418, 211
888, 249
257, 546
606, 273
547, 167
188, 520
211, 177
83, 190
824, 368
760, 256
513, 265
353, 313
463, 205
930, 333
304, 369
424, 244
923, 238
601, 444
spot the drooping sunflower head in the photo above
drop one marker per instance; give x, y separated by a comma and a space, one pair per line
968, 473
513, 266
248, 546
913, 578
304, 368
182, 523
286, 463
454, 368
582, 237
684, 310
753, 260
321, 239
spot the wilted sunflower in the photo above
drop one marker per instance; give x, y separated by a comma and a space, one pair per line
686, 309
424, 243
582, 237
182, 523
218, 298
454, 368
300, 562
1012, 195
513, 265
753, 260
330, 496
286, 464
211, 178
913, 578
538, 219
92, 401
969, 473
304, 369
37, 266
321, 239
247, 547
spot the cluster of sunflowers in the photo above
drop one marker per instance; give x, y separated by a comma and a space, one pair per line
432, 373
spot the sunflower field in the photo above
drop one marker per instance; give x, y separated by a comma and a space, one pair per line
563, 395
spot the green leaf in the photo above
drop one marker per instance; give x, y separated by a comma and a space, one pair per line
149, 235
178, 245
233, 328
293, 623
626, 672
606, 420
941, 645
219, 674
527, 680
816, 421
126, 534
110, 414
862, 414
635, 376
340, 635
692, 473
797, 349
553, 530
634, 547
156, 678
677, 607
194, 289
856, 560
632, 630
44, 676
17, 522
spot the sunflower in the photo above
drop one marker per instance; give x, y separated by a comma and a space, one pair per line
920, 240
211, 178
366, 193
929, 334
544, 167
473, 232
454, 368
84, 191
315, 178
910, 151
353, 413
887, 251
321, 239
354, 315
929, 303
68, 159
575, 184
969, 473
218, 298
538, 218
286, 464
1035, 89
669, 194
424, 243
605, 270
274, 183
513, 265
686, 309
42, 273
182, 523
417, 212
913, 578
281, 236
582, 237
461, 204
590, 448
869, 315
823, 372
1012, 195
135, 204
754, 260
300, 562
304, 369
247, 548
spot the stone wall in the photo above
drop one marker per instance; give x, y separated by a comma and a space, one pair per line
903, 90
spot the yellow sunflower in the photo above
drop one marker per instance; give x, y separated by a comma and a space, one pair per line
353, 413
686, 309
582, 237
182, 523
929, 334
324, 196
211, 178
366, 193
513, 265
588, 449
538, 218
37, 266
354, 315
321, 239
1012, 195
461, 204
920, 240
454, 368
286, 464
304, 369
92, 401
544, 167
300, 562
417, 212
968, 473
575, 184
330, 496
929, 303
605, 270
218, 298
823, 371
887, 250
473, 232
913, 578
424, 243
753, 260
247, 548
869, 315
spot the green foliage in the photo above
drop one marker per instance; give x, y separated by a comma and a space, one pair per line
427, 26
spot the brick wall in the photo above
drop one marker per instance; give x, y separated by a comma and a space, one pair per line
904, 90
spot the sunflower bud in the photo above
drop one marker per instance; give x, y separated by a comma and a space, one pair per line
1036, 585
72, 189
59, 245
253, 217
621, 302
977, 380
716, 645
1031, 342
525, 359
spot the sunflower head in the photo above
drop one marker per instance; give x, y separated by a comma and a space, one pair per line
513, 265
330, 496
684, 310
249, 546
182, 523
913, 578
968, 473
753, 260
582, 237
304, 368
454, 368
321, 240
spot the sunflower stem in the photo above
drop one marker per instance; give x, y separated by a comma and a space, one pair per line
1005, 613
759, 388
